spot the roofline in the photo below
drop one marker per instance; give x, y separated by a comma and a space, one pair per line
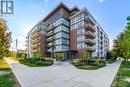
35, 26
60, 5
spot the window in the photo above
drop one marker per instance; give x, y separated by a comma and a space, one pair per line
77, 25
80, 38
64, 21
77, 19
80, 31
60, 21
61, 47
80, 45
61, 28
61, 41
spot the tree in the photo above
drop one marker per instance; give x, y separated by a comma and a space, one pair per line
39, 54
85, 56
24, 55
128, 56
5, 39
122, 42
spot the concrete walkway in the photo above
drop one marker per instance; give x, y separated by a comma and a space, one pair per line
65, 75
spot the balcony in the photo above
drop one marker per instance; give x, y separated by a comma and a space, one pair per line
90, 34
35, 31
26, 41
49, 34
89, 48
49, 39
90, 42
89, 27
49, 50
49, 28
49, 45
36, 35
34, 47
26, 45
89, 20
34, 51
35, 41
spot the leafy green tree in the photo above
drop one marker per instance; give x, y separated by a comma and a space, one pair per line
39, 54
5, 39
86, 56
24, 55
122, 42
128, 56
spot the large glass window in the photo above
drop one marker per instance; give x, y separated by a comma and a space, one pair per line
61, 28
61, 34
77, 19
60, 21
61, 41
80, 45
77, 25
61, 47
80, 31
80, 38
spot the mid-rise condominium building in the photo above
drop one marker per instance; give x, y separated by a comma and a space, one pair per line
68, 33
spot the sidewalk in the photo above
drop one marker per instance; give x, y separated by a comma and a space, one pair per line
64, 75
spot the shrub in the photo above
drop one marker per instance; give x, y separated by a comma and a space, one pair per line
102, 61
49, 60
102, 58
39, 63
91, 61
78, 62
30, 60
47, 63
20, 59
101, 65
36, 59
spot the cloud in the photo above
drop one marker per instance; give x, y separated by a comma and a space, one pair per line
111, 43
101, 0
43, 11
21, 37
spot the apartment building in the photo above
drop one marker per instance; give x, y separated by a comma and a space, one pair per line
68, 33
36, 39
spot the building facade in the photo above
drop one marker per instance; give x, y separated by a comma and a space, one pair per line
36, 40
68, 33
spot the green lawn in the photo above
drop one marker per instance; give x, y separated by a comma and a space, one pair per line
88, 67
122, 74
8, 79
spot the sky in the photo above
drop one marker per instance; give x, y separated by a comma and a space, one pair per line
111, 15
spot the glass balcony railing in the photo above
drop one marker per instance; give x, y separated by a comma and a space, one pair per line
35, 47
34, 51
89, 34
35, 36
35, 41
49, 39
35, 31
90, 42
89, 27
89, 19
49, 34
49, 28
89, 48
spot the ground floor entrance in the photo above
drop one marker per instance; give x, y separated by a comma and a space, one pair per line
64, 55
